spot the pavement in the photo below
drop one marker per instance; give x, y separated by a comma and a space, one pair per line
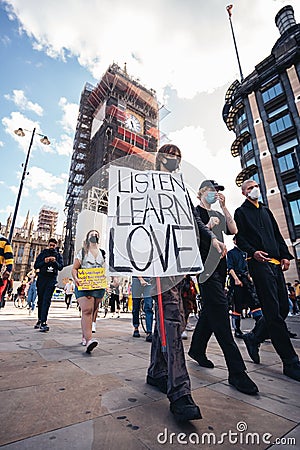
55, 396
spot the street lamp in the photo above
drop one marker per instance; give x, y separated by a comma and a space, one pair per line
44, 140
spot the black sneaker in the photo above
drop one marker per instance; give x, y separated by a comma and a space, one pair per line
243, 383
238, 334
161, 383
203, 361
44, 327
185, 409
149, 337
37, 325
292, 335
252, 347
292, 370
136, 334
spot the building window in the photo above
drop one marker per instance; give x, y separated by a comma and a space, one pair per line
295, 209
241, 117
272, 92
255, 178
31, 255
244, 130
20, 254
287, 145
285, 163
280, 124
247, 147
277, 111
250, 162
292, 187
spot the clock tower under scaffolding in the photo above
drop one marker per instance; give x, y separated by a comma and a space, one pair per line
117, 118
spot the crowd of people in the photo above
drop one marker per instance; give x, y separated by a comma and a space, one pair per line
250, 278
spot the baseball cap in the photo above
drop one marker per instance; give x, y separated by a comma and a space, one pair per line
212, 184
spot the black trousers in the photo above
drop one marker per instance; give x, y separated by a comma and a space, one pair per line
215, 318
45, 288
273, 297
245, 295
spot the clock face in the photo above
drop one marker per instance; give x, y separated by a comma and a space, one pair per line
133, 123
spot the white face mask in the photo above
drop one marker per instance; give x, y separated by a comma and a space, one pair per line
254, 194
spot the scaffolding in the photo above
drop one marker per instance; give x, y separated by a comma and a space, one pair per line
102, 137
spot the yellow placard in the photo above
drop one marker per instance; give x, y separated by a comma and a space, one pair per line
91, 279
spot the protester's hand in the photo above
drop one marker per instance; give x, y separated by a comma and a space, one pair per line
220, 247
238, 282
213, 221
285, 264
76, 281
261, 256
221, 198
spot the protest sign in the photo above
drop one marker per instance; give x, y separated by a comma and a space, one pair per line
94, 278
150, 224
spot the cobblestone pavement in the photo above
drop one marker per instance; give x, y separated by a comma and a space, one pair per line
55, 396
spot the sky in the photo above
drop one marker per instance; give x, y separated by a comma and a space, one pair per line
182, 50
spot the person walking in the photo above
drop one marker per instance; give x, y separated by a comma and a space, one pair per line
90, 256
241, 288
167, 370
32, 291
141, 287
6, 266
114, 299
69, 291
259, 236
48, 263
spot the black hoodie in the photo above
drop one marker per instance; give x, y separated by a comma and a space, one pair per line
258, 230
49, 269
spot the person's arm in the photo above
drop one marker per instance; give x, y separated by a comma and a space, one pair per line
76, 266
142, 281
237, 281
230, 222
9, 260
283, 248
242, 241
59, 261
40, 261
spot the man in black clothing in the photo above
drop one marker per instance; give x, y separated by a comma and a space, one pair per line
48, 263
259, 236
214, 317
241, 288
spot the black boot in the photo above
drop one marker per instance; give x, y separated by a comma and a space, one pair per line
243, 383
292, 370
185, 409
237, 327
252, 347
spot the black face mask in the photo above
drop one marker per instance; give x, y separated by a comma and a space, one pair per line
94, 239
171, 164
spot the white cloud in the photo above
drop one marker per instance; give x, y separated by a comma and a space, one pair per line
38, 178
17, 120
51, 198
23, 103
1, 144
186, 45
65, 146
70, 114
219, 166
7, 210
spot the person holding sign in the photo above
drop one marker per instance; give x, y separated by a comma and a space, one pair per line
167, 370
90, 284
